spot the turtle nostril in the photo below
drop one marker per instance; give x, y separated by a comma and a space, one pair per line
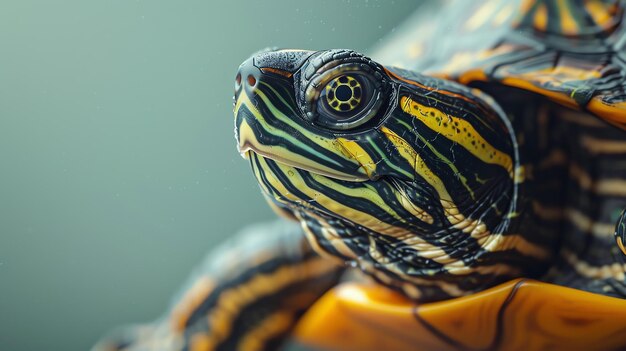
251, 80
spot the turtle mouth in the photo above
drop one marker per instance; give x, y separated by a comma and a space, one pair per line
301, 164
251, 138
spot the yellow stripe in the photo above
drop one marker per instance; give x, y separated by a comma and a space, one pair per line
449, 288
232, 301
418, 164
247, 139
423, 248
475, 228
603, 146
568, 23
412, 208
354, 151
498, 242
332, 237
456, 267
530, 82
257, 174
365, 193
576, 218
190, 302
325, 201
312, 240
620, 244
600, 14
266, 192
200, 342
540, 20
609, 271
271, 326
586, 224
606, 186
459, 131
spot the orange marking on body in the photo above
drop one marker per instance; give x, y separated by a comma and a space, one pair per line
612, 113
555, 96
540, 21
440, 91
232, 301
190, 302
199, 342
472, 76
526, 5
568, 23
598, 12
276, 71
271, 326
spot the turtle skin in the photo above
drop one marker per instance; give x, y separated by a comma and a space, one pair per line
477, 180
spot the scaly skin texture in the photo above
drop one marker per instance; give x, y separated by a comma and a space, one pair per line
440, 192
423, 196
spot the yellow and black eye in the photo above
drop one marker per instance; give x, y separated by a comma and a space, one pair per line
343, 94
342, 90
347, 100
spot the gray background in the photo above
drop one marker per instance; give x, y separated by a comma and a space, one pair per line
117, 159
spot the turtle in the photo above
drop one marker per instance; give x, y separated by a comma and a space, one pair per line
461, 188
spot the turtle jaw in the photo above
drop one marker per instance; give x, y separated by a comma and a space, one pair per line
252, 136
248, 143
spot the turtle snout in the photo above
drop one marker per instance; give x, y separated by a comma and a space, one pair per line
247, 78
267, 65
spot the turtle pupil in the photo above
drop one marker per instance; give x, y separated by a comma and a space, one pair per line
343, 93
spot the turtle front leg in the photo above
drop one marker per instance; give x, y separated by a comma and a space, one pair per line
246, 296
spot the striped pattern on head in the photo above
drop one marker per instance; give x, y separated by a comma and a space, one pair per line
416, 182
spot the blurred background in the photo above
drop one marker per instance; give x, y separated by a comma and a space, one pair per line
117, 159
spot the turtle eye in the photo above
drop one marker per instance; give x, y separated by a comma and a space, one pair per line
341, 102
343, 97
342, 94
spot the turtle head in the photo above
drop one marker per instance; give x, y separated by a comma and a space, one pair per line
408, 176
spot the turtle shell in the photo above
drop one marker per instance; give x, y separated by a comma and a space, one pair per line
518, 315
571, 52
